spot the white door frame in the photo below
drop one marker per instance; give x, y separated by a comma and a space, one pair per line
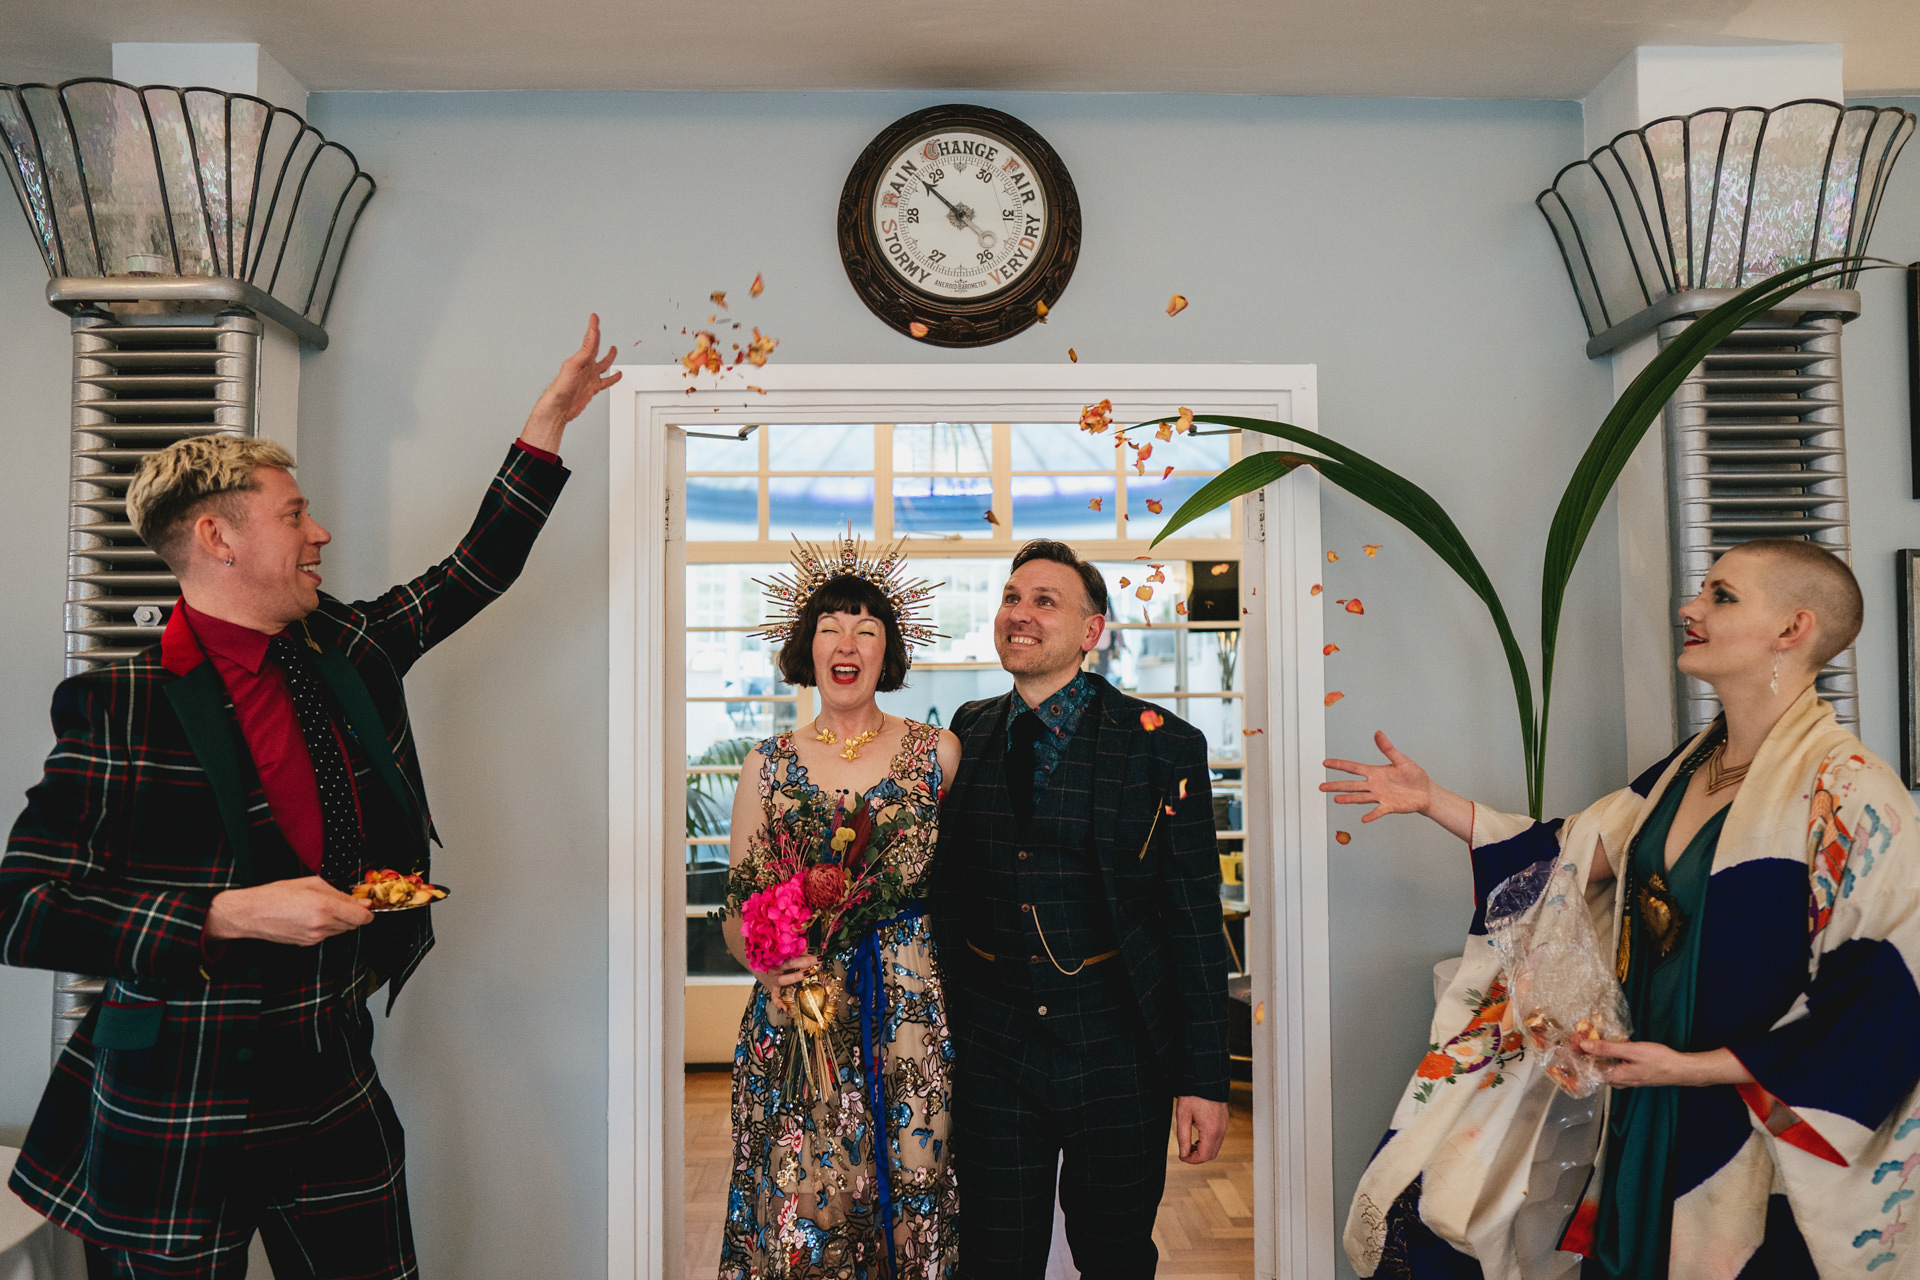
1287, 936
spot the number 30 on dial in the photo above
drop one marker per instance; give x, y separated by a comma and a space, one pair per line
960, 220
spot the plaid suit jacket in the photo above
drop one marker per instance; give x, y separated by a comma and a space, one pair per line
146, 810
1161, 870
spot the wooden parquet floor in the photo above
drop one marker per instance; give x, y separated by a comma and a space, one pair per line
1205, 1228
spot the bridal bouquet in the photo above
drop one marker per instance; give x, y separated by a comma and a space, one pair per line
813, 883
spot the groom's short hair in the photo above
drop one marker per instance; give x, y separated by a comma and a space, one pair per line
1061, 553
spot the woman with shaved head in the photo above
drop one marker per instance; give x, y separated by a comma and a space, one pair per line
1759, 898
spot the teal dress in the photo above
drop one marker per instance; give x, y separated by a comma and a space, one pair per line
1661, 931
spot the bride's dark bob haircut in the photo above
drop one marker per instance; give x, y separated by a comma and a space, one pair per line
844, 594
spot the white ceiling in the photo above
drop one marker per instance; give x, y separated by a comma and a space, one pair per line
1369, 48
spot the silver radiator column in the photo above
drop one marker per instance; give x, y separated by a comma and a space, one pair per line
1756, 448
140, 382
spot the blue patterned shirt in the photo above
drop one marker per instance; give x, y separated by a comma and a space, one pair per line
1061, 716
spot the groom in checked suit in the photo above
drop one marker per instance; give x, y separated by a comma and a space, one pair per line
205, 805
1077, 899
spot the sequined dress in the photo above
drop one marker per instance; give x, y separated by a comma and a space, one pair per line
804, 1196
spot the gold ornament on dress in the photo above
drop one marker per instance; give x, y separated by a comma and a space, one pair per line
816, 564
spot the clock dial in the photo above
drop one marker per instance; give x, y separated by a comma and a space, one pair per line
959, 214
957, 223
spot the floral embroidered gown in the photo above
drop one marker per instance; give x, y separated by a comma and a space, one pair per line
804, 1196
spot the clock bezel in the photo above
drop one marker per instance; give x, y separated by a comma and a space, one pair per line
950, 322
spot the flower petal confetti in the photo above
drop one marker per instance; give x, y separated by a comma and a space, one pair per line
758, 287
760, 348
1341, 837
1073, 355
761, 390
1354, 606
991, 518
1151, 719
1125, 583
1169, 809
1186, 418
1332, 698
1183, 788
1328, 650
1153, 506
1143, 592
917, 329
1372, 549
1093, 504
1176, 304
718, 299
1180, 607
1333, 557
1219, 569
1164, 431
1248, 733
705, 355
1314, 590
1167, 472
1040, 309
1146, 451
1095, 418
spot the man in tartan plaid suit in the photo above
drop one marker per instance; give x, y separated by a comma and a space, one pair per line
224, 1082
1077, 903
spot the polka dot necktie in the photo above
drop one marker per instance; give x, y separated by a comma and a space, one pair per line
341, 856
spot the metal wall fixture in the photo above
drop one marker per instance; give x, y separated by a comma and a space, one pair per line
174, 224
1670, 220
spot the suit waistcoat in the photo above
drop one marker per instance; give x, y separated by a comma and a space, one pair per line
1038, 887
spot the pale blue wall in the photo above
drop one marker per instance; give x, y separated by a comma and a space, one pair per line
1391, 243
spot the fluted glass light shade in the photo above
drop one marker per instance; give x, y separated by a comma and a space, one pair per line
119, 180
1720, 199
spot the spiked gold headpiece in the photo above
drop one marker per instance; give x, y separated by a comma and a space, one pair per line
816, 564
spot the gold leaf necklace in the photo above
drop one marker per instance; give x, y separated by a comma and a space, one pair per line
851, 751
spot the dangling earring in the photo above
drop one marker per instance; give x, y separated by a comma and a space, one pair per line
1773, 684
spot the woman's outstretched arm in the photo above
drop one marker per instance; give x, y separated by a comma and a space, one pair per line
1400, 786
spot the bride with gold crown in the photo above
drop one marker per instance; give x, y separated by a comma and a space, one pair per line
851, 1177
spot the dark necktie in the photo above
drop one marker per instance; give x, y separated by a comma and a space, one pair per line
341, 855
1026, 731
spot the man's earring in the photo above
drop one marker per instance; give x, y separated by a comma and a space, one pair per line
1774, 684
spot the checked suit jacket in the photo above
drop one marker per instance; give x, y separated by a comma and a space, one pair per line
1159, 862
148, 807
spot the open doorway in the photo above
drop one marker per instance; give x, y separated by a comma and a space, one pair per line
903, 460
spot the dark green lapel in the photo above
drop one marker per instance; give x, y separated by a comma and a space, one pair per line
350, 691
200, 700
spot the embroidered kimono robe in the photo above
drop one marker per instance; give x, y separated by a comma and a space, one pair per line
1810, 939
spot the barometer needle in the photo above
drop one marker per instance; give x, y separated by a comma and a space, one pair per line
963, 218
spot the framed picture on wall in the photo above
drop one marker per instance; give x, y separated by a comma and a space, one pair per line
1907, 595
1913, 370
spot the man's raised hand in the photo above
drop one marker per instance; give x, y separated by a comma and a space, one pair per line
299, 912
583, 375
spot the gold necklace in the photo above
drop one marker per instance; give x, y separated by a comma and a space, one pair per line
852, 749
1719, 773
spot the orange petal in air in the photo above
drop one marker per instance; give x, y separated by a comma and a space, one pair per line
1093, 504
1314, 590
1248, 733
1143, 592
1180, 607
1040, 309
1329, 649
1151, 719
917, 329
758, 287
1166, 473
719, 299
1332, 698
1186, 419
991, 518
1332, 557
1341, 837
1073, 355
1354, 606
1176, 304
1125, 583
1183, 788
1153, 505
1371, 548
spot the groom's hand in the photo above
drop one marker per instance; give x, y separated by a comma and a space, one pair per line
1199, 1127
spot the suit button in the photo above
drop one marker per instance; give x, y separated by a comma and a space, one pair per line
1026, 906
1024, 855
1033, 959
1043, 1011
243, 1056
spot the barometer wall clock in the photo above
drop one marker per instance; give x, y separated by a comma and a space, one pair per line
957, 223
